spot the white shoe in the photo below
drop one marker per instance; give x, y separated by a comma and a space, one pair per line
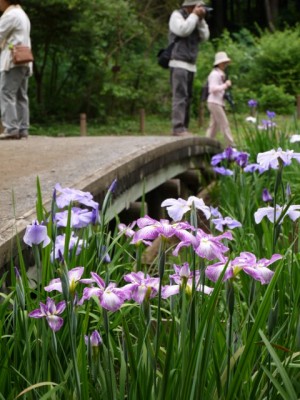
14, 134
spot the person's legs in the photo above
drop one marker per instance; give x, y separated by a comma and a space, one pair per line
10, 82
213, 125
23, 106
220, 122
179, 83
190, 81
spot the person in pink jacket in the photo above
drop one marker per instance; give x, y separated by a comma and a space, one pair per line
217, 85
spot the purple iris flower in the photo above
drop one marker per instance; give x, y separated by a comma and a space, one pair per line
271, 114
242, 159
50, 311
150, 229
113, 186
178, 207
252, 103
80, 218
245, 262
183, 278
229, 154
254, 167
74, 276
274, 214
143, 286
95, 216
110, 297
94, 340
68, 196
215, 212
211, 247
223, 171
127, 230
60, 245
36, 234
220, 223
257, 269
266, 196
205, 245
266, 124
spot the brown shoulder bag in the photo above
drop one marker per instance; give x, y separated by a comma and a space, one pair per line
21, 54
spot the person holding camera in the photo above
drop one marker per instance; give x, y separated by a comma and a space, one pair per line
217, 85
187, 28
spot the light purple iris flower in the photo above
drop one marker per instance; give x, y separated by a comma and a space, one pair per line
143, 286
254, 167
150, 229
36, 234
274, 214
211, 247
80, 218
183, 277
271, 159
205, 245
94, 340
60, 245
257, 269
50, 311
266, 124
74, 276
295, 138
68, 195
110, 297
215, 212
223, 171
245, 262
220, 223
178, 207
127, 230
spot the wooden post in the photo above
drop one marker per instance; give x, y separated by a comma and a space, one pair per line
298, 106
83, 130
142, 120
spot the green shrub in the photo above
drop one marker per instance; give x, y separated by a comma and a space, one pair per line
274, 98
277, 61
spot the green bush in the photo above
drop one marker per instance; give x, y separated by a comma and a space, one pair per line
277, 61
274, 98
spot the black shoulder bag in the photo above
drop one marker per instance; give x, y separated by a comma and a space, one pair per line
164, 55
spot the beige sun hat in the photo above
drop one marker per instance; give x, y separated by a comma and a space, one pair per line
221, 57
187, 3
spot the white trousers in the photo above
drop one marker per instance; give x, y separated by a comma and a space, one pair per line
218, 123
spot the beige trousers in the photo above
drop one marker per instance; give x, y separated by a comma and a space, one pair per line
218, 122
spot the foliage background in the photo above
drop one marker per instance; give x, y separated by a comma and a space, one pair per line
99, 57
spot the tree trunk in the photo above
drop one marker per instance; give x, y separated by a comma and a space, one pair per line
271, 7
219, 19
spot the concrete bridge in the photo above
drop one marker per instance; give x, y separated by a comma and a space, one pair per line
158, 166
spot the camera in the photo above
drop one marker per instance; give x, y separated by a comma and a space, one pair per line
208, 10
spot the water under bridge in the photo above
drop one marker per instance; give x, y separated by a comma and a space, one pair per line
156, 166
